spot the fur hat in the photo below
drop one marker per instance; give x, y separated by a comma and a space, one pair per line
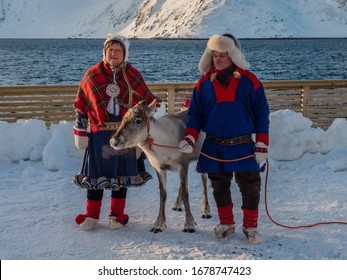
120, 39
225, 43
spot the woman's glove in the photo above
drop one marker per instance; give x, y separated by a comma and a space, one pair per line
80, 131
187, 144
81, 138
261, 152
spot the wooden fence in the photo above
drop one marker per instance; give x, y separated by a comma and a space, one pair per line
320, 100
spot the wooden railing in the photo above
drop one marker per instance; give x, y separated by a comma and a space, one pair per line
320, 100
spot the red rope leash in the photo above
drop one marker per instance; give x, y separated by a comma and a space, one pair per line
265, 191
286, 226
151, 143
223, 160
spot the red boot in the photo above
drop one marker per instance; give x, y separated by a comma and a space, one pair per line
250, 224
227, 223
117, 218
90, 219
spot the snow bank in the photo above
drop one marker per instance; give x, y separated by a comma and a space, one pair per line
291, 137
22, 140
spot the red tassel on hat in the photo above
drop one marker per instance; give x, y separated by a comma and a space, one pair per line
187, 103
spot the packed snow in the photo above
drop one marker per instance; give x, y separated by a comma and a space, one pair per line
306, 185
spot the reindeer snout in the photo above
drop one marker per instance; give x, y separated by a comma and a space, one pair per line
114, 142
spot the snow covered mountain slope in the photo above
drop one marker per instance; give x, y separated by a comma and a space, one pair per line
172, 18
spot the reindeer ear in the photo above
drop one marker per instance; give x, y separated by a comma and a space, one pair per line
143, 104
151, 108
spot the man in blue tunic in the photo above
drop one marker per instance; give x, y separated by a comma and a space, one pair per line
230, 106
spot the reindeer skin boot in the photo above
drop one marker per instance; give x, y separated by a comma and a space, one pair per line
227, 223
91, 218
250, 224
117, 218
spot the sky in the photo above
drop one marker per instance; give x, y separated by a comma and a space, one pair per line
306, 184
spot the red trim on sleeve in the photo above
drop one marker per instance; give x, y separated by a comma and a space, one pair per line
193, 132
262, 137
80, 132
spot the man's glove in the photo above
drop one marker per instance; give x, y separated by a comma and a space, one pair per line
187, 144
261, 152
81, 138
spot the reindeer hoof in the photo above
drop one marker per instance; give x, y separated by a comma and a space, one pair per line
156, 230
206, 216
179, 209
191, 230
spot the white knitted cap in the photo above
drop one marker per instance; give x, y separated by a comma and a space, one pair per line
120, 39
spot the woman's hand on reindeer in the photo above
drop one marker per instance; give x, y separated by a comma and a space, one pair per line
261, 152
187, 144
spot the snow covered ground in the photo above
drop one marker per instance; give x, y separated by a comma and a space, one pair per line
306, 185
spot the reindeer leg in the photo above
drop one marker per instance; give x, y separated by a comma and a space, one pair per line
160, 223
189, 225
205, 208
178, 201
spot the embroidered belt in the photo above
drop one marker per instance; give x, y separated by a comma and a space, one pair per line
243, 139
110, 126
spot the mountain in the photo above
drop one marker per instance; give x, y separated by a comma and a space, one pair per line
172, 18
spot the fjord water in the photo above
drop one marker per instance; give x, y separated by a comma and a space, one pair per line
64, 61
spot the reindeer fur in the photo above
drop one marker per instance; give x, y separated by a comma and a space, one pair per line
139, 128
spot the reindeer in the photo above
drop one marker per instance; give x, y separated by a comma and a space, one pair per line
140, 128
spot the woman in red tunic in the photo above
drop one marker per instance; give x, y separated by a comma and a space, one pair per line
105, 93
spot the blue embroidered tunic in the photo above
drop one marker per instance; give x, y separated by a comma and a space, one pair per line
230, 111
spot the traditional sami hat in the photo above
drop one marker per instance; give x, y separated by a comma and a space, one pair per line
225, 43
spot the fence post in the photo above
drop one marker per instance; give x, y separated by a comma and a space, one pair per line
305, 95
171, 100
